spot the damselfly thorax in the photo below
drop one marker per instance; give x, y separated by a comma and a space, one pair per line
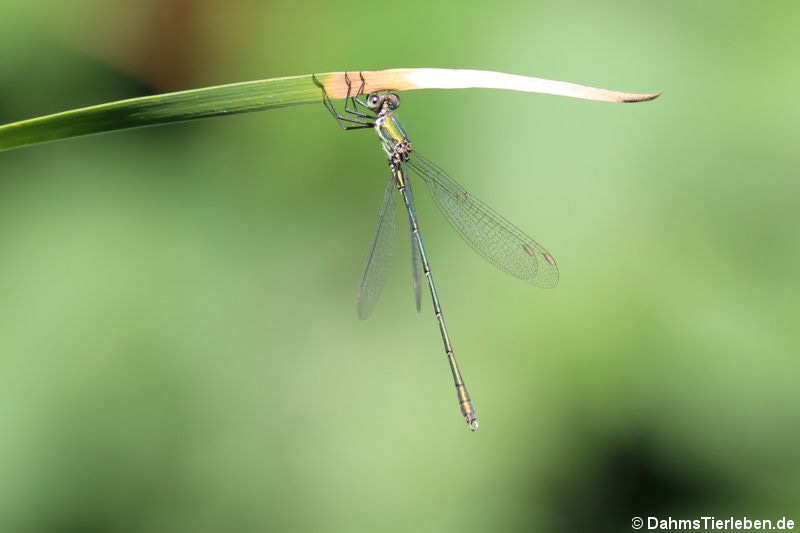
393, 138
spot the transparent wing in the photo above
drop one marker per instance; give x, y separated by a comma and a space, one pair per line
416, 266
379, 260
486, 231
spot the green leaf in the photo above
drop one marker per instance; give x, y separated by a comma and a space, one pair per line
162, 109
275, 93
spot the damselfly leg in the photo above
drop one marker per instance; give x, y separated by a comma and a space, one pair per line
341, 119
354, 100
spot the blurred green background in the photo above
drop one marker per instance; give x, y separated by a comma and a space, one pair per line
179, 347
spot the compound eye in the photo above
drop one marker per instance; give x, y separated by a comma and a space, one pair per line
394, 100
373, 100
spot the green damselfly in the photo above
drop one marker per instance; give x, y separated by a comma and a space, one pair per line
486, 231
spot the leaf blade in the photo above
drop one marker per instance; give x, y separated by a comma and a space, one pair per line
274, 93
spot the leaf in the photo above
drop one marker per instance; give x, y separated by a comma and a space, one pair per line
275, 93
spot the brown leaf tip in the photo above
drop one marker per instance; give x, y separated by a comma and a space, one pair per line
642, 98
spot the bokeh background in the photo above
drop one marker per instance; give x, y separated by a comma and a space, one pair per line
179, 347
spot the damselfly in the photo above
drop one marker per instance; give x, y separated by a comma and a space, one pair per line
488, 233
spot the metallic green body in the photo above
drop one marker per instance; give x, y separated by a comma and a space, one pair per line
395, 143
390, 131
495, 238
486, 231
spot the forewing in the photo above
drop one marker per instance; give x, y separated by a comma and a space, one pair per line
499, 241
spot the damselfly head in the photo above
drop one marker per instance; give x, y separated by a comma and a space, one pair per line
376, 101
392, 100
